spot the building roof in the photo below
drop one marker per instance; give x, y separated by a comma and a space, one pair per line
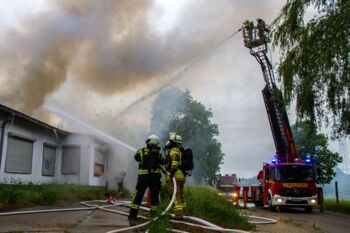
16, 114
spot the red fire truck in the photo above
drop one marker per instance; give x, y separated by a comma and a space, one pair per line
288, 180
227, 187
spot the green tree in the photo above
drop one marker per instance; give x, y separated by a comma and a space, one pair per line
176, 111
316, 145
315, 60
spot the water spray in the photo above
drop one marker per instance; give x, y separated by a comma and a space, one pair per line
96, 131
180, 73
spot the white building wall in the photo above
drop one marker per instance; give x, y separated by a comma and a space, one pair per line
98, 180
85, 143
41, 136
121, 158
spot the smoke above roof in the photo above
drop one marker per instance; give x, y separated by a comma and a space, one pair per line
108, 46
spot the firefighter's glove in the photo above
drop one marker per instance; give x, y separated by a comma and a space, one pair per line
188, 173
172, 173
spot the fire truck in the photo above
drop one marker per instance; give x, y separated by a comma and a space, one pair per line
288, 180
227, 187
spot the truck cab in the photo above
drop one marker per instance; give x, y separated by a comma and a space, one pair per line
227, 187
289, 184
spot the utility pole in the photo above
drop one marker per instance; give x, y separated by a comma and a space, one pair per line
336, 192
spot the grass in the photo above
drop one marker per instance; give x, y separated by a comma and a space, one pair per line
15, 196
163, 222
342, 207
123, 193
205, 203
160, 225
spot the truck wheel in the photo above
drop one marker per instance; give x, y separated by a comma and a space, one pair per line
308, 209
271, 207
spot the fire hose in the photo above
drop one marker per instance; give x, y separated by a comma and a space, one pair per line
153, 219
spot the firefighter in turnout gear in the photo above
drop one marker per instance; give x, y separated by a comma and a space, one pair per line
173, 165
149, 159
248, 26
263, 30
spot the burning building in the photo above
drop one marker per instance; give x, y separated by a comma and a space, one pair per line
33, 151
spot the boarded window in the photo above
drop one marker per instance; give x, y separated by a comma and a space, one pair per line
19, 155
49, 160
70, 160
99, 165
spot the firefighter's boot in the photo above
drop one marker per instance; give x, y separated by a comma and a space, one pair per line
133, 217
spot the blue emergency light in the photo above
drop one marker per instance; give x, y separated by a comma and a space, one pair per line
274, 160
308, 159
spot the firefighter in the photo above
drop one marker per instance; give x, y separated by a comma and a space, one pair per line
262, 29
149, 159
173, 166
120, 181
248, 26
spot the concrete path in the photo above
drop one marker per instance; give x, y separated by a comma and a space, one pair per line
95, 221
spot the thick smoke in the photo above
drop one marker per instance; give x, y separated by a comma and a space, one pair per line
109, 46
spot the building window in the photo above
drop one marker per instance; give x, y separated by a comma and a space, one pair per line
99, 165
19, 154
70, 160
49, 160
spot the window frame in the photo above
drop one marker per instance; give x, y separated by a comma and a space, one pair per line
55, 158
23, 138
99, 164
71, 146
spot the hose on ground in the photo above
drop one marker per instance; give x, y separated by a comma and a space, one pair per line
54, 210
265, 220
153, 219
219, 229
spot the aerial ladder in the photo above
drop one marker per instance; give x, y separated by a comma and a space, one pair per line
288, 180
256, 39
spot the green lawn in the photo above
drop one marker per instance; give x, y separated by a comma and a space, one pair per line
14, 196
343, 206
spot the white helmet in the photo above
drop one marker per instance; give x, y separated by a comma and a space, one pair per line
152, 140
175, 137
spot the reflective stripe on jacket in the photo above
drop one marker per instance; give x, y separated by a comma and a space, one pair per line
175, 163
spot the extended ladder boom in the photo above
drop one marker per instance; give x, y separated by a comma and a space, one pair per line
256, 40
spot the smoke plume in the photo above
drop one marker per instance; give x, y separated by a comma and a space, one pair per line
109, 46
